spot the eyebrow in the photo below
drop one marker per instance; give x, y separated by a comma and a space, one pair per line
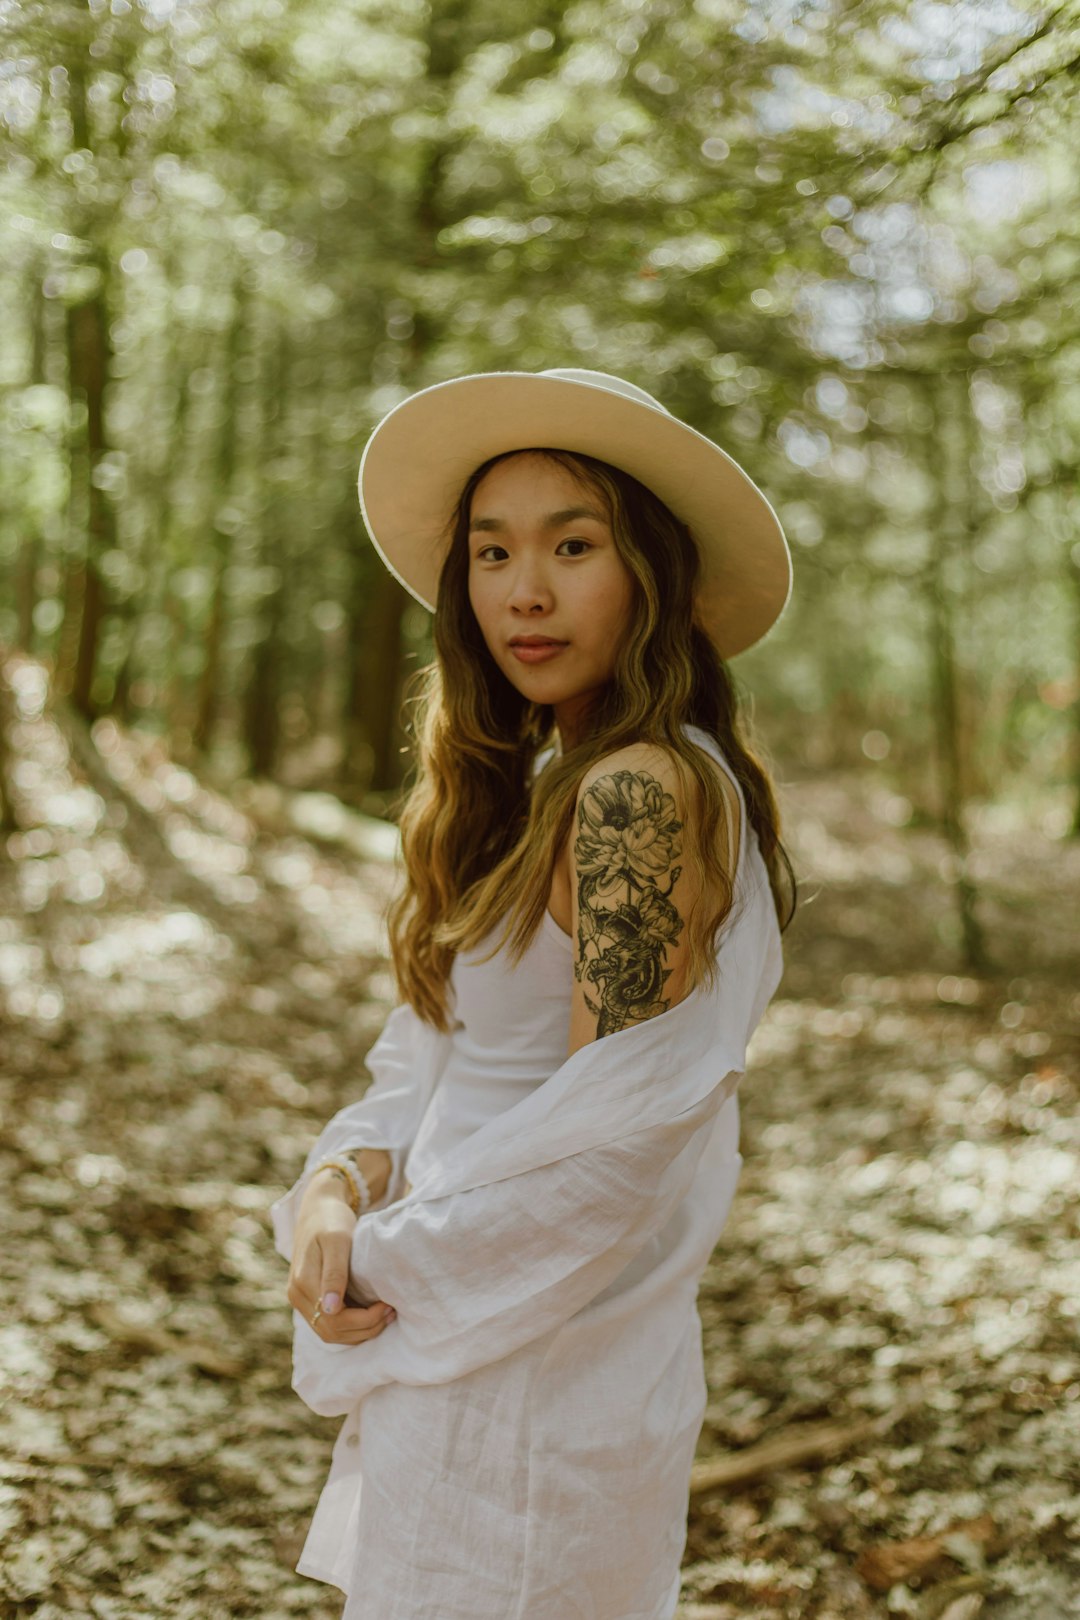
553, 520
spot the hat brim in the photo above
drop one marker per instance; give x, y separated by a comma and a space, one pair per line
418, 459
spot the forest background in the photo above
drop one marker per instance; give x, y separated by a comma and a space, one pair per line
839, 237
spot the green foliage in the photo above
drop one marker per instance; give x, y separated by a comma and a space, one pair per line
826, 235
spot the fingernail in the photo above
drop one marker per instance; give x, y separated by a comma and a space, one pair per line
330, 1302
390, 1313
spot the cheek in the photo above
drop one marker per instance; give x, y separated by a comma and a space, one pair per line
481, 606
611, 600
476, 596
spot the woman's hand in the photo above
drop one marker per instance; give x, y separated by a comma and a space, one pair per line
319, 1273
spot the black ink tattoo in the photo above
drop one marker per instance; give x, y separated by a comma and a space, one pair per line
627, 842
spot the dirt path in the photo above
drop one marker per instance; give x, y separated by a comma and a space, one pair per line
186, 997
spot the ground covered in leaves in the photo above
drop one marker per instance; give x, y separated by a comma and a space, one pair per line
188, 985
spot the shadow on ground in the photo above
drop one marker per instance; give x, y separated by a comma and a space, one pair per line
187, 990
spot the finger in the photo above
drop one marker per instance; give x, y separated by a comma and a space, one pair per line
334, 1250
351, 1317
360, 1317
353, 1326
334, 1336
306, 1280
304, 1298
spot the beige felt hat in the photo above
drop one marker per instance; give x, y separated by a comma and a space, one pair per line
418, 459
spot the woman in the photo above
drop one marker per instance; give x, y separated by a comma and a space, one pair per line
495, 1254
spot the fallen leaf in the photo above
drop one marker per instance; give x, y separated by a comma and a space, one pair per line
882, 1567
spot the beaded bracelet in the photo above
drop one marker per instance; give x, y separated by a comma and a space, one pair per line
357, 1182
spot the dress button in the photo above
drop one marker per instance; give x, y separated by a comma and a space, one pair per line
352, 1440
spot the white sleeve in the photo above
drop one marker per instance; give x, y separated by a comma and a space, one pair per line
404, 1069
475, 1275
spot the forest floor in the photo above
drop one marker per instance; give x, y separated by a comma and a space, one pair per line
188, 986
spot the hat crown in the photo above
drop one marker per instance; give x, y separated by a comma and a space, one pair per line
604, 379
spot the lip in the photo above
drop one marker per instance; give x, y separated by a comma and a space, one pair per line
536, 651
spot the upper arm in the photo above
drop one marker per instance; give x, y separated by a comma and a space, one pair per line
632, 892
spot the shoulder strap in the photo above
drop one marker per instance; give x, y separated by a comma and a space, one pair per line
708, 742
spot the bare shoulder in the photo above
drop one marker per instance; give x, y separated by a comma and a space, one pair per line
646, 776
635, 800
633, 888
631, 894
631, 755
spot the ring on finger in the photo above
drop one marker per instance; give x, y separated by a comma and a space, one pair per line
316, 1314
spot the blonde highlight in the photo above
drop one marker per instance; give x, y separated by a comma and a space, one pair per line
481, 833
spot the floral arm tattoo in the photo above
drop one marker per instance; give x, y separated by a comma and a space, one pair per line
624, 853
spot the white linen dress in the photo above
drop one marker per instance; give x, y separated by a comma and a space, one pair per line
518, 1444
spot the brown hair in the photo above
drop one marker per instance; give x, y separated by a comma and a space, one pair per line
479, 838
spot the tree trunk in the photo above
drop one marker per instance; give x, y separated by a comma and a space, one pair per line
30, 549
9, 821
262, 720
89, 362
374, 732
1072, 572
208, 696
950, 461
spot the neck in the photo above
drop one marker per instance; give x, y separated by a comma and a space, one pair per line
569, 720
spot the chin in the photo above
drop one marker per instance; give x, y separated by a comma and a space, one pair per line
543, 692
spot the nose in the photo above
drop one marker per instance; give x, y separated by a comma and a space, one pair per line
529, 591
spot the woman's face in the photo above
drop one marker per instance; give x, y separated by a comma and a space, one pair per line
543, 563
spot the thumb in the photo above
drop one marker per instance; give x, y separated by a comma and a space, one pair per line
335, 1274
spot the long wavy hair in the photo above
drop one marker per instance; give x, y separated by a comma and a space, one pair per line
481, 831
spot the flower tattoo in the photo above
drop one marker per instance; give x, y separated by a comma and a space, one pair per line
627, 842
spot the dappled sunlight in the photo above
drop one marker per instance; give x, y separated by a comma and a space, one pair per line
899, 1251
839, 241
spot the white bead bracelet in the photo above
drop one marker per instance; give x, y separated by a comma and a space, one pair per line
346, 1162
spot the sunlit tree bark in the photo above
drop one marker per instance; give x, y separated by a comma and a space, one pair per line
949, 457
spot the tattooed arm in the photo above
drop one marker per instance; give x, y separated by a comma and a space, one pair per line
631, 893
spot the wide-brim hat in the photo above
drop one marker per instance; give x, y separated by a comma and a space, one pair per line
418, 459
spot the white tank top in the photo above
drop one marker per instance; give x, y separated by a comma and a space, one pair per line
512, 1029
